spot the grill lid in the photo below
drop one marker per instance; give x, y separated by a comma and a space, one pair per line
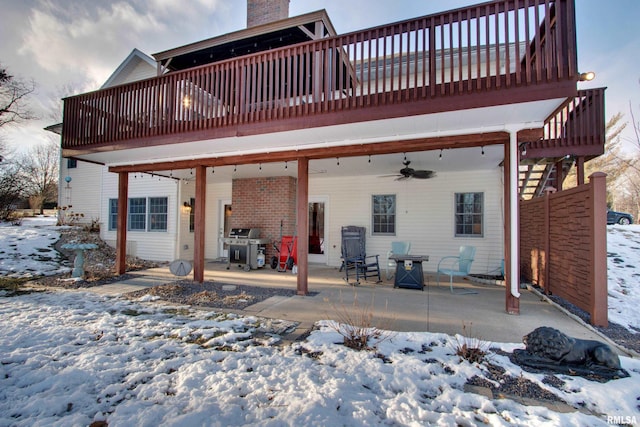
244, 233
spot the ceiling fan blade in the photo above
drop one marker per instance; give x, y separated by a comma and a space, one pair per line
423, 174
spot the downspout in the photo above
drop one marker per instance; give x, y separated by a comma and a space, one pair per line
514, 213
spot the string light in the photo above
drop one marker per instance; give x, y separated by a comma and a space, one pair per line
235, 168
440, 156
369, 158
213, 170
483, 150
260, 166
286, 164
338, 161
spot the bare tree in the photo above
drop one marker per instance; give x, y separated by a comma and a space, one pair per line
39, 174
10, 191
13, 98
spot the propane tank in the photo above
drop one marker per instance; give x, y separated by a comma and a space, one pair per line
260, 258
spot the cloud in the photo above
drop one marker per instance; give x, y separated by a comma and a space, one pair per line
87, 41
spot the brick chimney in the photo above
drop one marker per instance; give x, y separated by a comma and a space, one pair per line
264, 11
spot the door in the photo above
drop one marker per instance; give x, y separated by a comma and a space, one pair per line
317, 227
224, 227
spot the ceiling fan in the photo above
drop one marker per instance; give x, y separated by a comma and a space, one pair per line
407, 173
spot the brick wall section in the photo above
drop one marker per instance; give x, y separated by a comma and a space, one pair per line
265, 11
576, 256
262, 203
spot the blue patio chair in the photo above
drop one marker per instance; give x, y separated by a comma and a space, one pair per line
457, 266
397, 248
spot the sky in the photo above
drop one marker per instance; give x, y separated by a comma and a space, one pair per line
77, 44
71, 357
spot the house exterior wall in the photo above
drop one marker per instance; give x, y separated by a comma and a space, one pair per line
425, 215
151, 245
216, 193
82, 193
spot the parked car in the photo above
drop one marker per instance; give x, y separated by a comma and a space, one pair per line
621, 218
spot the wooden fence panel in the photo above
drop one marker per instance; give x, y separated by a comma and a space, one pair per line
563, 246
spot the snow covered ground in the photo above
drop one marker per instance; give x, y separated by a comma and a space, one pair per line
70, 358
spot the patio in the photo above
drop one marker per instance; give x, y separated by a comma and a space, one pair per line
435, 309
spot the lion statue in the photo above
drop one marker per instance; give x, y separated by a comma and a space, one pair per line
549, 349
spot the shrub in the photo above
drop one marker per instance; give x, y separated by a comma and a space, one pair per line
356, 324
68, 217
93, 226
469, 348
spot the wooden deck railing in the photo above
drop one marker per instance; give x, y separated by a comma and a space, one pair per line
576, 128
491, 46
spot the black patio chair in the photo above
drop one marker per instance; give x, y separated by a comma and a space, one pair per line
354, 256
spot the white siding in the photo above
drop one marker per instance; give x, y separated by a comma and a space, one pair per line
156, 246
215, 193
132, 71
82, 193
425, 214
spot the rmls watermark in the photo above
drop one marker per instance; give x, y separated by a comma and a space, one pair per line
627, 420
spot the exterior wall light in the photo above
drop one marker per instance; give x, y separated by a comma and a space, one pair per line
588, 76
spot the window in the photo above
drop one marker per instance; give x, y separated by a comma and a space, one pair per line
113, 214
158, 213
192, 215
137, 216
469, 214
384, 214
72, 163
138, 219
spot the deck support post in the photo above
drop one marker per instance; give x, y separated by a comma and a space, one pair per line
512, 225
302, 228
121, 227
199, 223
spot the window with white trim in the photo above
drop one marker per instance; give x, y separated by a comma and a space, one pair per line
113, 214
137, 215
144, 214
469, 214
383, 216
158, 213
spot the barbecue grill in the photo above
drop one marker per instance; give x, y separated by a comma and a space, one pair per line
244, 245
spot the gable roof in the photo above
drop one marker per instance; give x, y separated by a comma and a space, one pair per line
136, 66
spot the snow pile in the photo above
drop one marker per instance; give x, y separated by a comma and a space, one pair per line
623, 270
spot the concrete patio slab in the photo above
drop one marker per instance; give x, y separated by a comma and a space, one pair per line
435, 309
